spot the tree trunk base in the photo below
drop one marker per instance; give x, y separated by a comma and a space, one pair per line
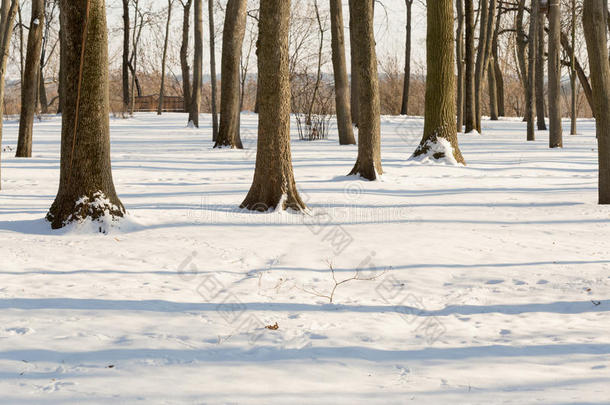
95, 206
366, 170
261, 200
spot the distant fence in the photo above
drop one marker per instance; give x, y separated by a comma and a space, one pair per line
151, 103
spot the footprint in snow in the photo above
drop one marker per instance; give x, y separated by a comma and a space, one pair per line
494, 282
19, 331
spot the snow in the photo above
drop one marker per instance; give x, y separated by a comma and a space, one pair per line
438, 151
491, 281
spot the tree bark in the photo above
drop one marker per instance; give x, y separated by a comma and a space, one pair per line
573, 71
86, 188
354, 76
31, 74
164, 58
8, 11
42, 92
213, 68
555, 131
440, 84
595, 35
530, 96
496, 66
540, 99
273, 186
232, 41
342, 93
125, 66
521, 45
459, 58
469, 93
197, 65
407, 79
493, 67
184, 63
368, 163
480, 61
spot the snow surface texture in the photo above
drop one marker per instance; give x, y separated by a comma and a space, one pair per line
438, 151
492, 281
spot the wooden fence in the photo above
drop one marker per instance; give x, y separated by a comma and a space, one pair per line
151, 103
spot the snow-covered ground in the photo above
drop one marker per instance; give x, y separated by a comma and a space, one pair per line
488, 283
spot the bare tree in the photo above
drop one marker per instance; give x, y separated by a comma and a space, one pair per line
540, 99
368, 163
594, 17
232, 41
8, 11
184, 49
197, 66
164, 57
469, 93
555, 131
354, 77
404, 110
125, 66
213, 68
459, 57
530, 96
273, 185
29, 87
342, 96
440, 84
573, 70
86, 188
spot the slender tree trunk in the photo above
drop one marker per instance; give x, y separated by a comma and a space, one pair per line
316, 87
29, 87
164, 58
440, 84
492, 66
354, 76
480, 62
125, 66
86, 188
555, 131
8, 11
595, 35
184, 63
273, 186
197, 66
496, 66
580, 72
21, 43
407, 79
540, 99
521, 45
232, 41
459, 59
134, 64
42, 92
573, 72
342, 94
469, 91
213, 68
530, 97
368, 163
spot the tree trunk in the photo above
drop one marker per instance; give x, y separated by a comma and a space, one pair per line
164, 58
540, 99
86, 189
8, 11
273, 186
440, 84
555, 131
595, 35
125, 67
42, 92
530, 96
232, 41
469, 94
480, 62
580, 72
342, 94
213, 68
29, 87
521, 45
21, 51
368, 163
573, 72
407, 79
493, 90
459, 59
496, 66
354, 77
184, 49
197, 66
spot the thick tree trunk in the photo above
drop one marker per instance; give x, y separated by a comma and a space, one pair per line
469, 93
540, 99
404, 110
164, 58
440, 84
8, 11
273, 186
368, 163
354, 77
459, 59
197, 65
530, 96
125, 66
184, 49
213, 69
232, 41
555, 131
29, 87
342, 93
595, 35
86, 189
